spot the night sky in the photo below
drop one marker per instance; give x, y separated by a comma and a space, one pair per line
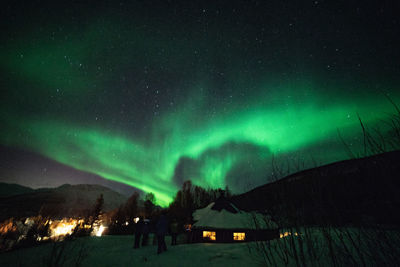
153, 93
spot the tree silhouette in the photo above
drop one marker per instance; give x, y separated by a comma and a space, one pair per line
149, 204
131, 207
98, 207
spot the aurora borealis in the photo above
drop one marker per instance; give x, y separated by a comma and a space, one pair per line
154, 93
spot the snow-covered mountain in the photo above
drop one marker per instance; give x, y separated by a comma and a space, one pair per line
66, 200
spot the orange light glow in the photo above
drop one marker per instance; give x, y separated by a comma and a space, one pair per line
187, 227
7, 226
285, 234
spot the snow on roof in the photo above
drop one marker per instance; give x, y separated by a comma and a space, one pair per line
223, 219
222, 203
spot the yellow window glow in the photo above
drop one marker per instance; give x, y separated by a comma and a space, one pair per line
239, 236
209, 235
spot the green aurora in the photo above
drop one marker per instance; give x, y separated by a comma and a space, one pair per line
216, 145
150, 107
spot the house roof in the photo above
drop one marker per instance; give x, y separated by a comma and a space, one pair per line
224, 216
222, 203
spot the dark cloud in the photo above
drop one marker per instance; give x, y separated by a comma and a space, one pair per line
245, 163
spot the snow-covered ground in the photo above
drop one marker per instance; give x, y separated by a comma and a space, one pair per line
308, 247
118, 251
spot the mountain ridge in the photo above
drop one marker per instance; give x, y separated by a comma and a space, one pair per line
30, 169
64, 201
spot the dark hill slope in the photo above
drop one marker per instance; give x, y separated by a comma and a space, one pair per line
356, 191
7, 190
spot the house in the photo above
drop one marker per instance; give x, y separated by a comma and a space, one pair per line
222, 221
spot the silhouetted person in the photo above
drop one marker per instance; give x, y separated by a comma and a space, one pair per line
138, 232
161, 231
145, 232
174, 232
153, 230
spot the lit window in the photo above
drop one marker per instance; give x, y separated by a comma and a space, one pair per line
239, 236
209, 235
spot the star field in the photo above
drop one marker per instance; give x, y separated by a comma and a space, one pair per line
154, 93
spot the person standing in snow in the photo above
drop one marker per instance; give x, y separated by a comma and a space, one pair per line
138, 232
161, 231
174, 232
145, 232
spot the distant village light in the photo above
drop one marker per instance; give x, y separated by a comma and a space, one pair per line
8, 226
188, 227
100, 231
29, 221
63, 227
136, 219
